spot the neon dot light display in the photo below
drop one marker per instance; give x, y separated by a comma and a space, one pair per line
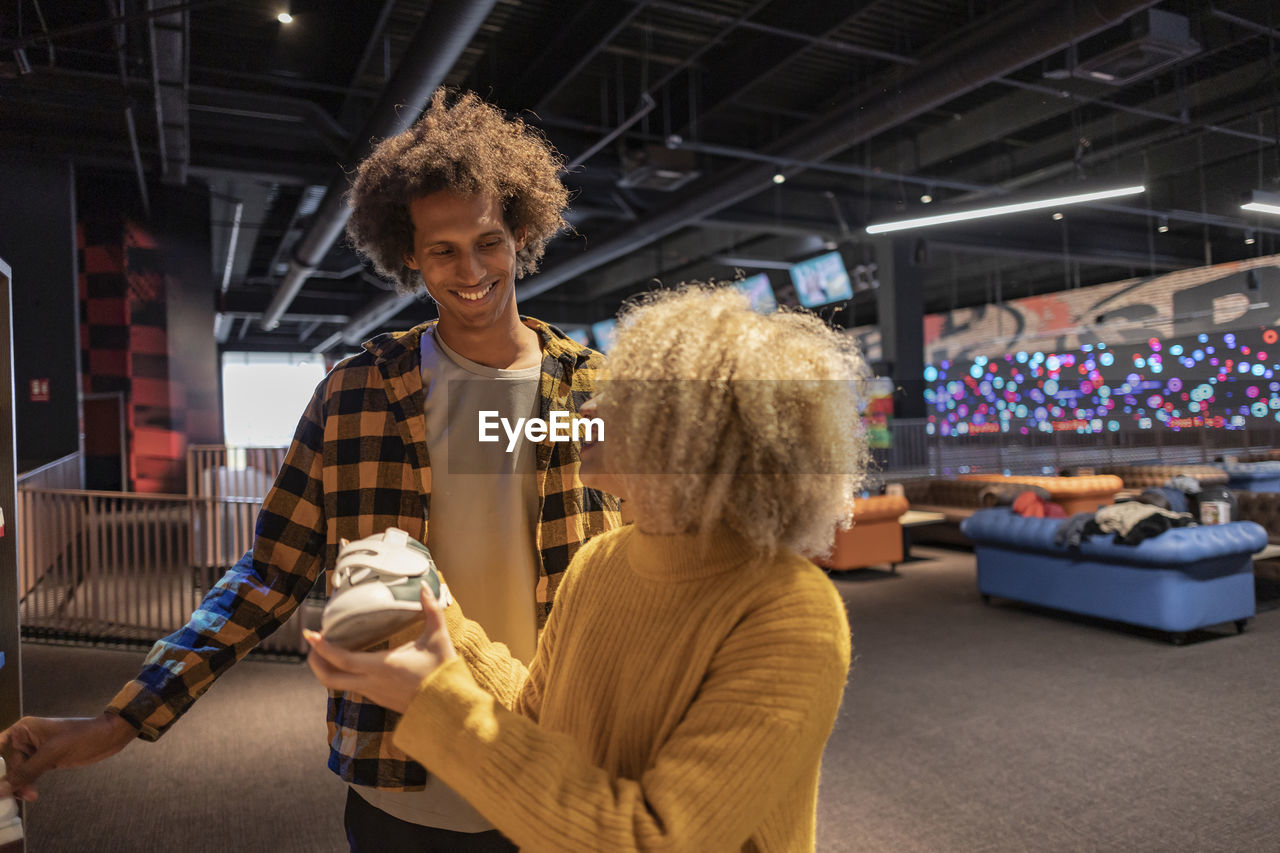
1214, 381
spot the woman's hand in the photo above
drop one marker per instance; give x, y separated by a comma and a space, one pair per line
390, 677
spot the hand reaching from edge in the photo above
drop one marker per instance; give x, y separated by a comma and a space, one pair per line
34, 745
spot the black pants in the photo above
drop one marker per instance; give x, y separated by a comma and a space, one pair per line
371, 830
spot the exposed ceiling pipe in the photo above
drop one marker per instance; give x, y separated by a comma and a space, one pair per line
1026, 34
444, 33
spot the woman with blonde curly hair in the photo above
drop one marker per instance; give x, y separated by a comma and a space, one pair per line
692, 667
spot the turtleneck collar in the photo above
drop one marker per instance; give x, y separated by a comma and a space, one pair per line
688, 556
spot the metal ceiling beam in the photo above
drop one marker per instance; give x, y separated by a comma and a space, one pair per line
446, 30
752, 61
129, 122
45, 37
377, 39
1016, 39
1090, 251
838, 45
1252, 26
169, 37
589, 55
278, 109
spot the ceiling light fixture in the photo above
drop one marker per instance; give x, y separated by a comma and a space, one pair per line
926, 199
779, 178
284, 18
20, 60
1057, 216
1261, 202
1002, 210
1249, 239
1163, 227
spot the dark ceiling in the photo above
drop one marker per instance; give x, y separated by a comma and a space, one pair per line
676, 118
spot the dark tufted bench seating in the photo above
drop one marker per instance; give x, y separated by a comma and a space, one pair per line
1073, 494
1261, 508
959, 499
1183, 579
1151, 476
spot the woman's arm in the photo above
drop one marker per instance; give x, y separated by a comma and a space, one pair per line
494, 669
759, 722
391, 677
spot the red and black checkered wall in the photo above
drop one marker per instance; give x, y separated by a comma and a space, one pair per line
129, 271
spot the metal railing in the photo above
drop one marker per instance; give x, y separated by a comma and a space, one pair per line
216, 471
128, 567
916, 453
64, 473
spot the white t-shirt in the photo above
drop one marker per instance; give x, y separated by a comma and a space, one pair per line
484, 510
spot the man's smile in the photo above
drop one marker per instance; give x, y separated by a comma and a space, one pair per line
478, 293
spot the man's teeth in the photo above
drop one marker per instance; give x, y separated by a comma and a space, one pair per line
479, 294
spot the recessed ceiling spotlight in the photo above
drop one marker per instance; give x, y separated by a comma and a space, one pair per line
926, 198
1249, 239
779, 178
1163, 227
1057, 216
284, 18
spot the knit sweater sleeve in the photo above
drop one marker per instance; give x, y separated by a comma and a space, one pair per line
493, 668
760, 720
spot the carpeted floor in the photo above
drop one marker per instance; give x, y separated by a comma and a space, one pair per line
965, 727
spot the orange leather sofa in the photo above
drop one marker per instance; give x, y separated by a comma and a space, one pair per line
1073, 494
874, 538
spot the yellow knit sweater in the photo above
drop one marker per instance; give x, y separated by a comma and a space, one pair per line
680, 699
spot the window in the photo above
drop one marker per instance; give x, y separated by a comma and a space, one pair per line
263, 395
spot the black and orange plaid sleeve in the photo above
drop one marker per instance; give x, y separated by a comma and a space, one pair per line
251, 600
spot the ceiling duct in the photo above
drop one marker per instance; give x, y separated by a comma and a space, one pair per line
1147, 43
444, 33
656, 167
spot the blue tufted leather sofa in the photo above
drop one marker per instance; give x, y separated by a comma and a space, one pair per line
1183, 579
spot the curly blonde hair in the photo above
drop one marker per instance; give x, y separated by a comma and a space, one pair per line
750, 421
469, 148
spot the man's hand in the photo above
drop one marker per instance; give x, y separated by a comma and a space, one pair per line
391, 677
34, 745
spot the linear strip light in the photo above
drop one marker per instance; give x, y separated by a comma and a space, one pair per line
1262, 202
1001, 210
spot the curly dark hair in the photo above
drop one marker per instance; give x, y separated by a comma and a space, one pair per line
468, 148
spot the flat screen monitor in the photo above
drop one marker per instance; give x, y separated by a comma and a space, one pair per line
604, 333
760, 292
821, 280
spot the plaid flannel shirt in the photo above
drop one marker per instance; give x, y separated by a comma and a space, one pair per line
358, 465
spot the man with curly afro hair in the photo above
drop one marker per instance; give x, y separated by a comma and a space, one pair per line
461, 204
